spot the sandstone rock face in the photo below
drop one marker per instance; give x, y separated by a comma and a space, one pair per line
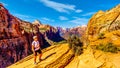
8, 25
107, 22
13, 44
95, 59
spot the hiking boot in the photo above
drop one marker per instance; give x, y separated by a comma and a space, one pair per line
35, 63
40, 60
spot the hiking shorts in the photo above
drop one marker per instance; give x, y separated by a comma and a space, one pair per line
38, 51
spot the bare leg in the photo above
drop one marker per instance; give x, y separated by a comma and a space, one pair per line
40, 55
35, 59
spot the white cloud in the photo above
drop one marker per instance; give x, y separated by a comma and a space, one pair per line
21, 15
32, 18
80, 21
63, 18
78, 11
24, 17
83, 25
46, 20
4, 4
60, 7
89, 13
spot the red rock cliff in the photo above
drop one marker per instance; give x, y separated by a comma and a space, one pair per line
15, 38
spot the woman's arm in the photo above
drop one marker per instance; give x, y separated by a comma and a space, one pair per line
33, 48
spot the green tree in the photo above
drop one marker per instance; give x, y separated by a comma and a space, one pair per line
75, 44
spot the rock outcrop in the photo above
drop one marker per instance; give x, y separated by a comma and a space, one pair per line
12, 44
37, 22
107, 22
95, 59
15, 38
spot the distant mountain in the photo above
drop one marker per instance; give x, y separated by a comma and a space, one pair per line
37, 22
79, 31
48, 31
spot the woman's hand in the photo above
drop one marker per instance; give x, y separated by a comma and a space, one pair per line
33, 51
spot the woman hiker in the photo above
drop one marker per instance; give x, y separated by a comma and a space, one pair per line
36, 49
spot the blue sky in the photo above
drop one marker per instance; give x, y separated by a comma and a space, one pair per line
62, 13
